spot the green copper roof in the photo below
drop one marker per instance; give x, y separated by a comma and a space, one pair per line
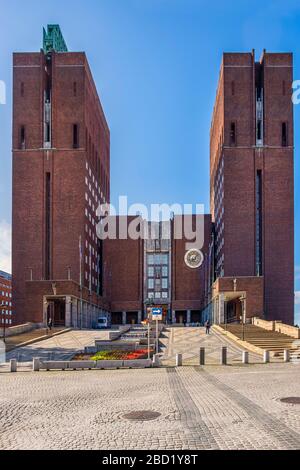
53, 39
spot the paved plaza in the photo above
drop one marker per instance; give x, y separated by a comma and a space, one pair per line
213, 407
229, 407
60, 347
188, 342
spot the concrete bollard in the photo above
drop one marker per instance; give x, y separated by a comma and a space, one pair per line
286, 355
245, 357
35, 364
178, 360
155, 360
224, 355
202, 356
266, 357
13, 365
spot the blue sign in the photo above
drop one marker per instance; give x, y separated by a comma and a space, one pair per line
156, 312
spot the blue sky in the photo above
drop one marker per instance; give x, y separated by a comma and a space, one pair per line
156, 65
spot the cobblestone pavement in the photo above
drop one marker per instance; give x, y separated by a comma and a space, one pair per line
61, 347
188, 341
229, 407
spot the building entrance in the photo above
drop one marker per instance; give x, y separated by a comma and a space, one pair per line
195, 316
116, 318
181, 316
57, 311
131, 318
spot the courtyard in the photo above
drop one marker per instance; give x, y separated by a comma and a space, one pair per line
229, 407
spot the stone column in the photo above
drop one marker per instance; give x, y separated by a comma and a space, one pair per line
221, 309
139, 317
45, 309
68, 320
124, 318
188, 317
74, 314
173, 316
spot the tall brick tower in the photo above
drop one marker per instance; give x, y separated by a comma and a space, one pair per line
61, 168
252, 187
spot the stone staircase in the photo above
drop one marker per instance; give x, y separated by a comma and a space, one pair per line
272, 341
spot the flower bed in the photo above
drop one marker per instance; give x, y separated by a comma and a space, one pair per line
121, 355
115, 355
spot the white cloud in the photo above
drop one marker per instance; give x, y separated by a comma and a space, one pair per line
5, 246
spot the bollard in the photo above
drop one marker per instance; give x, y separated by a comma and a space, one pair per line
202, 356
245, 357
13, 365
155, 360
178, 360
35, 364
224, 355
286, 355
266, 357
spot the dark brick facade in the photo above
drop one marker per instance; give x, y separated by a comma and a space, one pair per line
243, 159
59, 179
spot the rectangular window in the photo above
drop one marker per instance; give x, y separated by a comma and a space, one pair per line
164, 271
22, 138
48, 227
259, 223
164, 283
150, 283
75, 136
164, 259
165, 295
232, 133
150, 271
75, 89
284, 135
232, 88
150, 259
259, 137
157, 295
22, 89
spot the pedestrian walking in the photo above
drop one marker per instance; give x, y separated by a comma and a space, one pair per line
50, 323
207, 327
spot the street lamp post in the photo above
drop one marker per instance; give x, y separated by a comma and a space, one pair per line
148, 302
243, 300
2, 308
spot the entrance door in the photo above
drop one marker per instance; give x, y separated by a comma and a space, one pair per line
181, 316
116, 318
59, 312
131, 318
195, 316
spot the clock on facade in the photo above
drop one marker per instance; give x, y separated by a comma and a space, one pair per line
194, 258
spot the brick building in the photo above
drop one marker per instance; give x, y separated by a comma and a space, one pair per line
5, 300
61, 172
153, 271
252, 187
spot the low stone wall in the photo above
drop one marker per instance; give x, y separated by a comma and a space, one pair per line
289, 330
278, 326
18, 329
266, 325
74, 365
115, 345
